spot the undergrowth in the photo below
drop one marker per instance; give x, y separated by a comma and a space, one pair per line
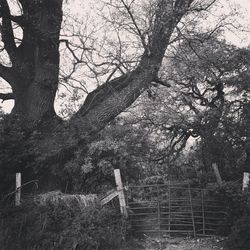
237, 205
60, 226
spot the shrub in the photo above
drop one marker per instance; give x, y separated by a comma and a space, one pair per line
238, 215
239, 237
60, 226
235, 202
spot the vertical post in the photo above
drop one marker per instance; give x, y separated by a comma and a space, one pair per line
169, 208
203, 213
158, 211
217, 173
246, 179
18, 189
192, 210
121, 195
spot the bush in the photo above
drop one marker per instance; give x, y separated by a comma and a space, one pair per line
238, 215
239, 237
60, 226
233, 199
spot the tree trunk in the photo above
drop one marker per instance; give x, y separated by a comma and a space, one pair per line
36, 60
45, 143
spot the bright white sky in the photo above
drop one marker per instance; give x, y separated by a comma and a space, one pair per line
242, 39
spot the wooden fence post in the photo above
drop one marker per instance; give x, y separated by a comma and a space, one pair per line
121, 194
246, 179
18, 189
217, 173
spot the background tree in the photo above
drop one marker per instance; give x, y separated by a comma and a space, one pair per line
206, 101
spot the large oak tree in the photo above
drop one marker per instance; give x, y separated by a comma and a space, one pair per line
45, 140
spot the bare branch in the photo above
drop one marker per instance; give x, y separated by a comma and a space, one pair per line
203, 8
67, 43
138, 31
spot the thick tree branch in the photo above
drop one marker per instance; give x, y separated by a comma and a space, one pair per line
6, 29
6, 96
167, 16
18, 19
109, 100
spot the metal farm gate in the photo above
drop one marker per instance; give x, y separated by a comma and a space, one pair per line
174, 209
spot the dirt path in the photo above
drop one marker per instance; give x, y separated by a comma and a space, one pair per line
177, 244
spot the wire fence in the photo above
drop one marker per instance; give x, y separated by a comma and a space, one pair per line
174, 209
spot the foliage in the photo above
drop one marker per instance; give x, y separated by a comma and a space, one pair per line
237, 205
11, 142
119, 145
28, 159
238, 215
239, 238
60, 226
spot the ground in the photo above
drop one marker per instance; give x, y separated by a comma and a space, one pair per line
148, 243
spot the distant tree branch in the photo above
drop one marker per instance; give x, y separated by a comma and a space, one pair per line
67, 43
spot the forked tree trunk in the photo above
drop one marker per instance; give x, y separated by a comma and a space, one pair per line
36, 61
